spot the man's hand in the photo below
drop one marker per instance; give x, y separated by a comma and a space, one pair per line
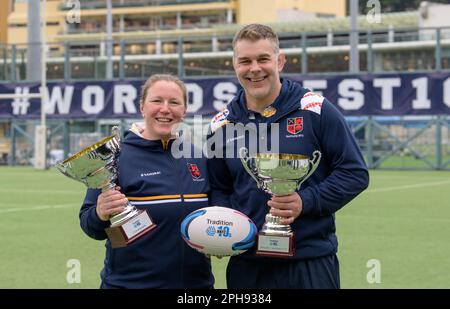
289, 207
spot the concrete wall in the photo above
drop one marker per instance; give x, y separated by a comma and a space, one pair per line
434, 15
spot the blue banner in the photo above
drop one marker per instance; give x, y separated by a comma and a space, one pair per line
354, 95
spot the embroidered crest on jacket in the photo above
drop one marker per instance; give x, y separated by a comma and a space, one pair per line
295, 125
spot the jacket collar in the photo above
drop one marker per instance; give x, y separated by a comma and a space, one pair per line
287, 101
134, 137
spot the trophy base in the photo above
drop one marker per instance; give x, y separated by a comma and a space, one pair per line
130, 230
275, 245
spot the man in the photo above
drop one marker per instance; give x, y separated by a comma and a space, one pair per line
306, 122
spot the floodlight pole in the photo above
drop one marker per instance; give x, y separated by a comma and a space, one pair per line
109, 43
40, 136
44, 62
354, 37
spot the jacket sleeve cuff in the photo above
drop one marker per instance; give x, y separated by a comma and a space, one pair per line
95, 222
310, 205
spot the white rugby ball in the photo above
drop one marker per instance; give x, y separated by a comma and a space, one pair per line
218, 231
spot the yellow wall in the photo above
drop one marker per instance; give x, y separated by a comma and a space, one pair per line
254, 11
4, 11
19, 16
247, 11
160, 9
265, 11
336, 7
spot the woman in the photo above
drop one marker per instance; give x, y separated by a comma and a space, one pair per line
152, 179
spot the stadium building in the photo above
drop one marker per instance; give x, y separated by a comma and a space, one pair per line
193, 38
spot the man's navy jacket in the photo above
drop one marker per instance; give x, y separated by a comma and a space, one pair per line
306, 122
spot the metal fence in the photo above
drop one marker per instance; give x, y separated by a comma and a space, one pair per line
387, 143
396, 142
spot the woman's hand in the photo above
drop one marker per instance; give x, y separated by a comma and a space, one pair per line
110, 203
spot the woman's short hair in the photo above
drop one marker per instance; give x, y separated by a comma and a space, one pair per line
165, 77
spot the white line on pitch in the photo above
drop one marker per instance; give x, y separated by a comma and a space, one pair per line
41, 191
406, 187
396, 218
41, 207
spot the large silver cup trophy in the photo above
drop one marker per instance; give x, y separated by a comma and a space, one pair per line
278, 174
96, 167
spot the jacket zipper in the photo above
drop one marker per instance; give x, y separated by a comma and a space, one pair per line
182, 211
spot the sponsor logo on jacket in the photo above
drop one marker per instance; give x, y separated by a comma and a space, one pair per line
150, 174
219, 120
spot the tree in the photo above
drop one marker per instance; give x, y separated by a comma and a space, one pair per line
388, 6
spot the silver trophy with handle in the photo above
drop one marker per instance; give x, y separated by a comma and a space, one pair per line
278, 174
96, 167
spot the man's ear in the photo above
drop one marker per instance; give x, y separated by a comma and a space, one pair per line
233, 62
281, 61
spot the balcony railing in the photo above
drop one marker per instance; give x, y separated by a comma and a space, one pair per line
101, 4
380, 51
102, 29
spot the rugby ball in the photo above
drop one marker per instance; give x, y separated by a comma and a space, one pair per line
218, 231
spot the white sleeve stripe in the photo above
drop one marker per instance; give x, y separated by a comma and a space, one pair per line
311, 99
312, 102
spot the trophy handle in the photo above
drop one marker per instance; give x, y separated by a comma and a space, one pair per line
314, 164
244, 159
116, 132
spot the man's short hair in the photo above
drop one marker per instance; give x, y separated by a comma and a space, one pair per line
256, 32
